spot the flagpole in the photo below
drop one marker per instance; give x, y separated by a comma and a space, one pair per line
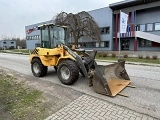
119, 46
122, 28
119, 35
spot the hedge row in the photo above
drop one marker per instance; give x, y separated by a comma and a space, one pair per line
106, 54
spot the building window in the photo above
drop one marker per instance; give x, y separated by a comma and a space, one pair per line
102, 44
12, 47
149, 27
97, 44
142, 27
32, 37
106, 44
36, 37
12, 42
148, 43
157, 26
145, 43
136, 28
28, 38
105, 30
87, 44
4, 42
37, 45
90, 44
141, 43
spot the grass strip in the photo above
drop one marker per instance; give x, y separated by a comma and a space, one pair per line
23, 103
129, 59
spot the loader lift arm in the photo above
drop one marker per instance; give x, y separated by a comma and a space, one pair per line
81, 60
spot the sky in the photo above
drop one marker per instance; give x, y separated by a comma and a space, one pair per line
16, 14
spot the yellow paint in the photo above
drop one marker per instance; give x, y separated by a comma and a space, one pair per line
51, 57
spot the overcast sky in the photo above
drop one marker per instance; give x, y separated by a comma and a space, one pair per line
16, 14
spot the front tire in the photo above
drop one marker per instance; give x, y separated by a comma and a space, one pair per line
38, 69
68, 72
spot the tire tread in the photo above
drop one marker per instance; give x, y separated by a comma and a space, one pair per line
74, 74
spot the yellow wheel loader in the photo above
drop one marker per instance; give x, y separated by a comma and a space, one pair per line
107, 80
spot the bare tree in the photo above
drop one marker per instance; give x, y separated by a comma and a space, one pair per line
79, 25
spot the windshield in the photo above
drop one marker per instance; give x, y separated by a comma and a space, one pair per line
57, 35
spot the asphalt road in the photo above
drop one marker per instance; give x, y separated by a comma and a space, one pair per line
144, 98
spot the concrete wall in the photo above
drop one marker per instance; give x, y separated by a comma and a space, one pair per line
148, 48
7, 44
103, 17
151, 15
131, 46
1, 44
145, 14
32, 42
148, 16
139, 7
36, 32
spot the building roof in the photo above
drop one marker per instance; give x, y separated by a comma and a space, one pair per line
8, 40
129, 3
50, 24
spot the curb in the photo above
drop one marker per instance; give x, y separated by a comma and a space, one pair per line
20, 53
131, 63
109, 61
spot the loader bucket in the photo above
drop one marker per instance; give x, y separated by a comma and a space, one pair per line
110, 79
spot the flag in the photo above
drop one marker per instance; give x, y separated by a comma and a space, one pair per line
31, 30
35, 27
123, 22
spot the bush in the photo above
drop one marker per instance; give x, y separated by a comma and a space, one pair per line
140, 56
125, 56
100, 54
147, 57
105, 54
11, 48
113, 55
154, 57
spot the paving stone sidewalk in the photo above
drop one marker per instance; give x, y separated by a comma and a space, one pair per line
91, 108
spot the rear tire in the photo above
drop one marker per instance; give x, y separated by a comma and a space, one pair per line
38, 69
68, 72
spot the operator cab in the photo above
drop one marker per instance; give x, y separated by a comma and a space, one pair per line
52, 35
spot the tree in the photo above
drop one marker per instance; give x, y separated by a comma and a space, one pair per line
79, 25
20, 42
